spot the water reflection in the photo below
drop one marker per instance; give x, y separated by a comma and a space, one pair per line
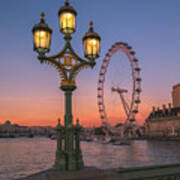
21, 157
139, 153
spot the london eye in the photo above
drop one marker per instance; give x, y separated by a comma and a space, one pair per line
131, 107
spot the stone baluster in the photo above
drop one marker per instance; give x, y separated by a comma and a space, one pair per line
153, 111
158, 112
169, 109
164, 110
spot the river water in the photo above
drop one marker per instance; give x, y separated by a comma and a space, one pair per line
23, 156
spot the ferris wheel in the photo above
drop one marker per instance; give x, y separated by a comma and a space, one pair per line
131, 108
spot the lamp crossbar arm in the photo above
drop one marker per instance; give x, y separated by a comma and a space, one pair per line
59, 66
63, 51
78, 57
54, 63
79, 67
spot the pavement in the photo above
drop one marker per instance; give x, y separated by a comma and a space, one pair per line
162, 172
84, 174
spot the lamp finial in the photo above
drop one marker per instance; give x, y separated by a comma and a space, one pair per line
42, 17
67, 3
91, 26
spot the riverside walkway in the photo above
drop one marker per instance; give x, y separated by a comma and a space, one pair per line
165, 172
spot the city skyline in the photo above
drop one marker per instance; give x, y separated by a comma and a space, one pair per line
29, 91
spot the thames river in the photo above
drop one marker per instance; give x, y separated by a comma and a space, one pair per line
23, 156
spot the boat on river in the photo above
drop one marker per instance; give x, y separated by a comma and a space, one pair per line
121, 142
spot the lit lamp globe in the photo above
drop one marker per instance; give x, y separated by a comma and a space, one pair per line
67, 19
91, 42
42, 36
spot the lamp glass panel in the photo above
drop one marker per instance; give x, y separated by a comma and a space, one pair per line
42, 39
91, 47
67, 22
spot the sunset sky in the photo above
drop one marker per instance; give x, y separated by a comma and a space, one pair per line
29, 91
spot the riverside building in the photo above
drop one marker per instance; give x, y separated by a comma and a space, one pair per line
165, 122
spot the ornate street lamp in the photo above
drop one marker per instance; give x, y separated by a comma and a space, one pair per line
68, 63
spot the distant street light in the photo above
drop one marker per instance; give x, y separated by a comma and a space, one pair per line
68, 63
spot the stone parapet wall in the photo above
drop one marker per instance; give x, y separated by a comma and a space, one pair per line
167, 127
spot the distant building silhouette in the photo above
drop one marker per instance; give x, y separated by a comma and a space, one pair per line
14, 130
7, 122
165, 122
176, 95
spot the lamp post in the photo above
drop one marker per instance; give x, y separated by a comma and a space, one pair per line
68, 63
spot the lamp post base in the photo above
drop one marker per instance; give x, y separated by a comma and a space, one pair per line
60, 162
71, 162
79, 160
68, 162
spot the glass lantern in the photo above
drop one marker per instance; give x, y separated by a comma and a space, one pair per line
91, 43
67, 19
42, 36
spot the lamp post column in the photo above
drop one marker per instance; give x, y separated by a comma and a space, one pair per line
69, 128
